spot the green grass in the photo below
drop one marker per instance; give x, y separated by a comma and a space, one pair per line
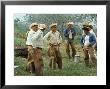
19, 42
69, 67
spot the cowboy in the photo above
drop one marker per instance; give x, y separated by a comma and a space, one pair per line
91, 31
87, 41
35, 44
69, 34
54, 39
90, 27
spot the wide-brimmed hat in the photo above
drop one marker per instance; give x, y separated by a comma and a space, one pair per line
87, 23
70, 23
42, 26
53, 24
33, 24
86, 28
91, 26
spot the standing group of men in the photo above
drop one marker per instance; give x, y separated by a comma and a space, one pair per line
35, 41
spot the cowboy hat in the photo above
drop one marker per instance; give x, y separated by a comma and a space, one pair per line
70, 23
87, 23
33, 24
86, 28
42, 26
53, 24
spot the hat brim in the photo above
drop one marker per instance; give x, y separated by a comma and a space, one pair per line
87, 29
41, 28
33, 24
52, 26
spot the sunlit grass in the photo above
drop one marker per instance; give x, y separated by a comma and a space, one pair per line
70, 68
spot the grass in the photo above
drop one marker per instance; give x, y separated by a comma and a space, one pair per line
19, 42
69, 67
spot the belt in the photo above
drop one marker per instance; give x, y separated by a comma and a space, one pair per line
53, 44
38, 48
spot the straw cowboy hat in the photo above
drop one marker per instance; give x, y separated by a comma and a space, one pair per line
33, 24
86, 24
70, 23
86, 28
42, 26
53, 24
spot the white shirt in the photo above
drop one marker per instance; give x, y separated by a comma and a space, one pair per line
70, 34
35, 38
92, 32
86, 40
53, 38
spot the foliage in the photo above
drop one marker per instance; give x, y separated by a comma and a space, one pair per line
70, 68
23, 22
21, 25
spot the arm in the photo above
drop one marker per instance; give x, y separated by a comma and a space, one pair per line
74, 32
94, 34
65, 33
36, 35
60, 39
81, 41
28, 39
45, 38
93, 40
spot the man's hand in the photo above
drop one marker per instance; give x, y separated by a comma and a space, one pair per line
87, 45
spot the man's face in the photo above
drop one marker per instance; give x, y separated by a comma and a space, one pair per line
84, 26
86, 32
70, 25
54, 28
89, 28
35, 28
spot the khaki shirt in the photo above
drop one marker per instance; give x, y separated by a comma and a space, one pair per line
53, 38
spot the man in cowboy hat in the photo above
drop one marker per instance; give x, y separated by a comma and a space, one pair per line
90, 27
35, 44
87, 41
54, 40
30, 65
69, 34
42, 27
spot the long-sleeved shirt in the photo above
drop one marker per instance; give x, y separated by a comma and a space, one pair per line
53, 37
35, 39
91, 31
92, 39
69, 34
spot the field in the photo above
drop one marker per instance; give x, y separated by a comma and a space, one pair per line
70, 68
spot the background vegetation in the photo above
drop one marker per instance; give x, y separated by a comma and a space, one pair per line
70, 68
